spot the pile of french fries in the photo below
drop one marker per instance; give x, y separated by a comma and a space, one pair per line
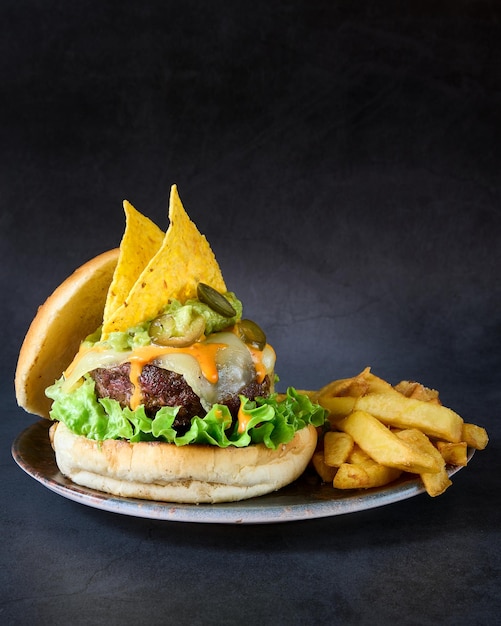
379, 431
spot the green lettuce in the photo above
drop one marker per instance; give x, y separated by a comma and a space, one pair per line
269, 421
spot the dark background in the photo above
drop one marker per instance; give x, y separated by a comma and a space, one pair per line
343, 160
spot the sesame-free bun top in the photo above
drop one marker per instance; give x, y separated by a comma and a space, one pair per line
73, 311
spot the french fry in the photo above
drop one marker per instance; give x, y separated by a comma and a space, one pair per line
474, 436
363, 383
338, 407
355, 386
377, 384
325, 472
384, 446
397, 410
339, 396
358, 456
351, 476
453, 453
412, 389
390, 430
364, 475
437, 482
337, 447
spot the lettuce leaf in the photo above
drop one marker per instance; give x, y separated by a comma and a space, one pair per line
268, 420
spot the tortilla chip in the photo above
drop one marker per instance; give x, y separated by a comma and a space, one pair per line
140, 242
184, 259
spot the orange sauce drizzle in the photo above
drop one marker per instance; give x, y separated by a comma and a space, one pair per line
257, 359
205, 354
243, 420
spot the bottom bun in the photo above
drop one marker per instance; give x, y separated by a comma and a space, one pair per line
183, 474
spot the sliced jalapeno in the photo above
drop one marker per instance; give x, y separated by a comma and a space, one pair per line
163, 331
252, 334
215, 300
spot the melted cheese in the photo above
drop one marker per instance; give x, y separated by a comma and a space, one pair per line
204, 354
215, 369
262, 360
136, 367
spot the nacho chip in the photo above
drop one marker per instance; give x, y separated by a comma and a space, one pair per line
184, 259
141, 241
189, 257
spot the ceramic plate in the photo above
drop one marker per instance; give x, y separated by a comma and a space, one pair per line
302, 500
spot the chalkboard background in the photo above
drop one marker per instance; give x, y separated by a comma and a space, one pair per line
343, 160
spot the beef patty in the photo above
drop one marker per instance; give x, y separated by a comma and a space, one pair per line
160, 387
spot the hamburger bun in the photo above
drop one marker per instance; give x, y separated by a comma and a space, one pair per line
73, 311
183, 474
148, 470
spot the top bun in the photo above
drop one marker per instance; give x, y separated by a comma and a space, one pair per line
72, 312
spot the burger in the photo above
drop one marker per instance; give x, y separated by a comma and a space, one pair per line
157, 385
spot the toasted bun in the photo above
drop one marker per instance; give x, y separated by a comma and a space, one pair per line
146, 470
72, 312
190, 474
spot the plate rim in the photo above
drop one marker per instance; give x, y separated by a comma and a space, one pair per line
265, 509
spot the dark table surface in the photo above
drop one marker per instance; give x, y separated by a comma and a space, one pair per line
344, 163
